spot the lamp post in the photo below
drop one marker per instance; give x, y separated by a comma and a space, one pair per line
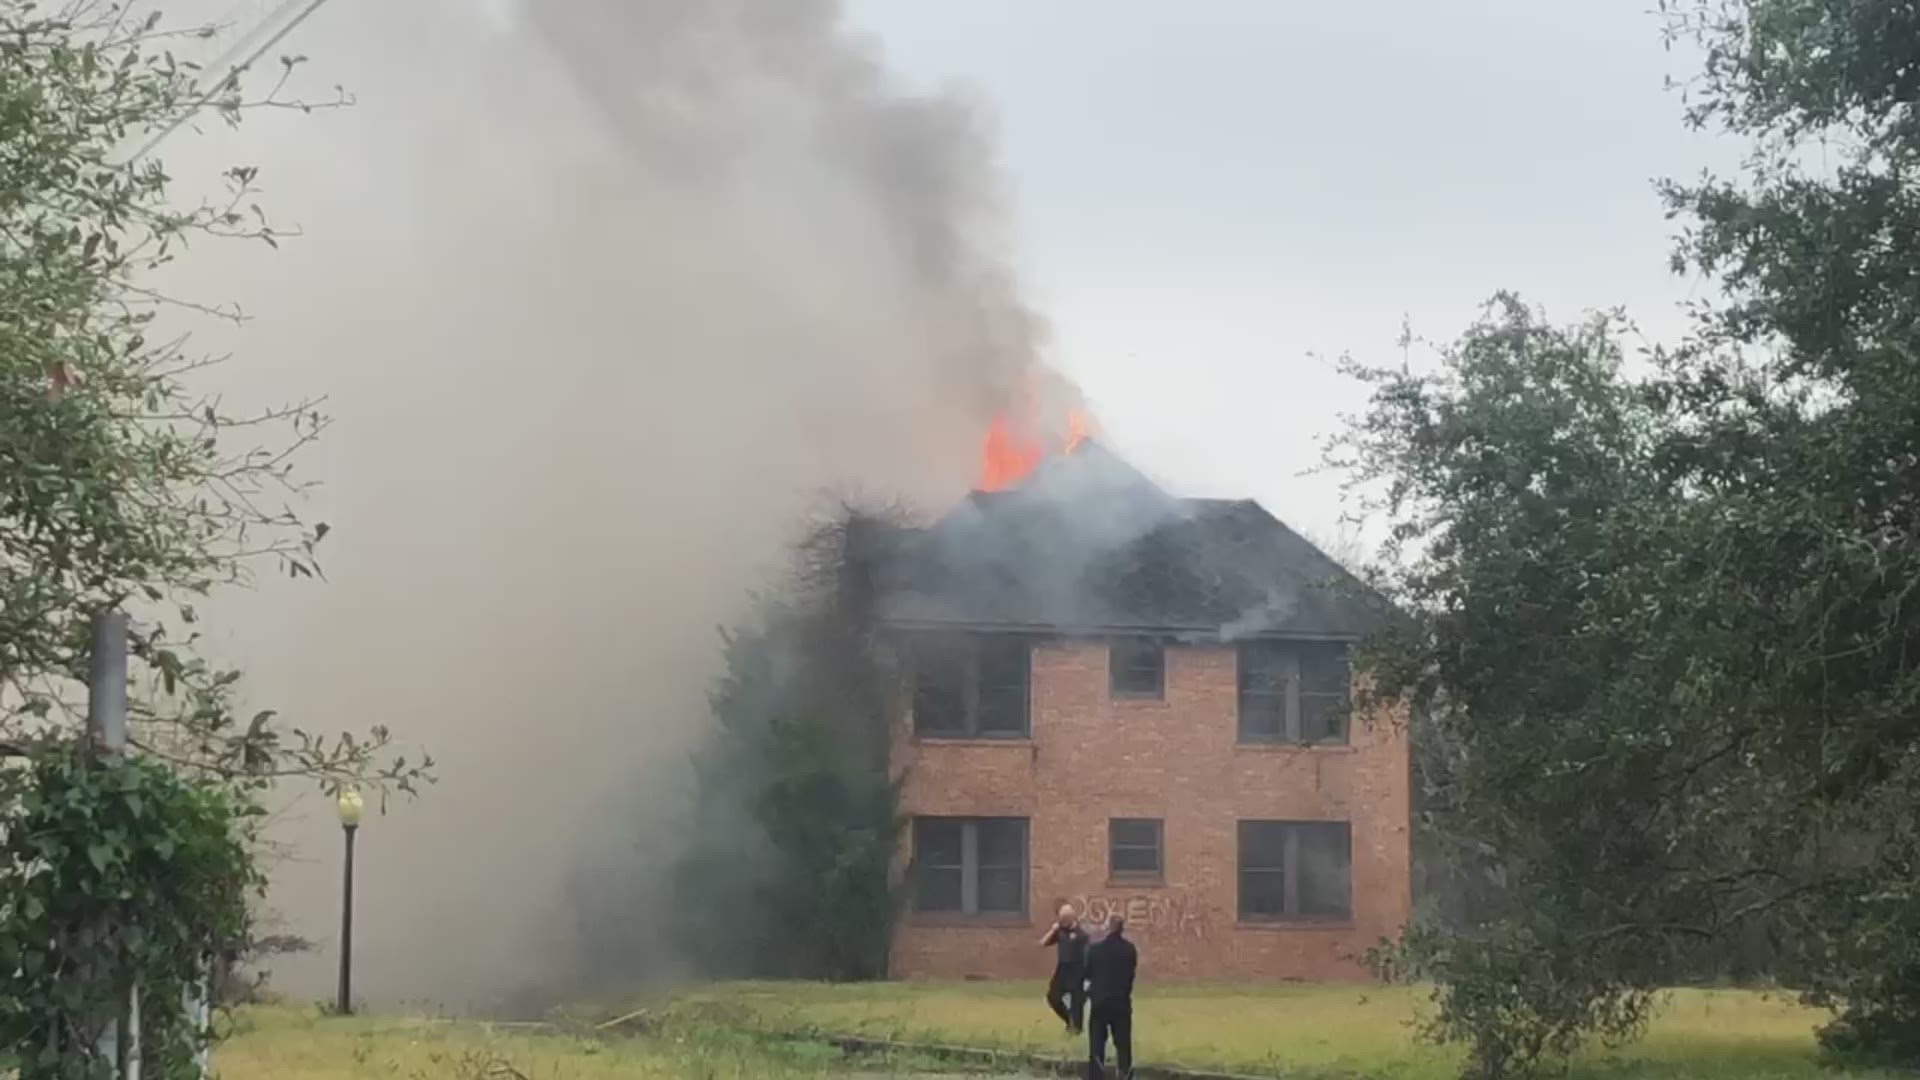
349, 806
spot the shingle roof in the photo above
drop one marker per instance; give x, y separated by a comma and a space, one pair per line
1089, 544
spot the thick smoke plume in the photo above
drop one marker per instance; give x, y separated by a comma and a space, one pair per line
605, 294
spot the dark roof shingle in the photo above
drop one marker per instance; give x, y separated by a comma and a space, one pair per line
1089, 544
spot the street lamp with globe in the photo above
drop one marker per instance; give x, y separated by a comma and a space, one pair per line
350, 806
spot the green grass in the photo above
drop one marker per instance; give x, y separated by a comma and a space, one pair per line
1299, 1031
725, 1031
302, 1044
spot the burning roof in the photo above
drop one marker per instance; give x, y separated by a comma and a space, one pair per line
1046, 417
1084, 542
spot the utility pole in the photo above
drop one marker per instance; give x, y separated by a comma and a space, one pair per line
107, 684
107, 732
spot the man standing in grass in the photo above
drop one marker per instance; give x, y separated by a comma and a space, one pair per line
1066, 991
1110, 966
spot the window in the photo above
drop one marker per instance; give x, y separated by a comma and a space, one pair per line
1137, 669
1133, 849
970, 866
940, 685
1295, 870
971, 687
1324, 685
1294, 692
1000, 708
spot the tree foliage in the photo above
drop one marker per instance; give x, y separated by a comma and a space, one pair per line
1665, 636
1818, 247
120, 484
797, 820
123, 486
1524, 501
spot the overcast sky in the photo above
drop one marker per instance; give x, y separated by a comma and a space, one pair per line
1210, 193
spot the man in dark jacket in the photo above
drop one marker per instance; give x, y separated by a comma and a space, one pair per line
1111, 962
1067, 990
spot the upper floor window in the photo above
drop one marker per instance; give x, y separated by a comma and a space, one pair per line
1137, 669
971, 687
1294, 692
970, 866
1295, 870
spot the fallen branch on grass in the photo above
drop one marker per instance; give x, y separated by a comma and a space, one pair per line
641, 1020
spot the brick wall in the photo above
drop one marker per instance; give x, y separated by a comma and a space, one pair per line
1091, 758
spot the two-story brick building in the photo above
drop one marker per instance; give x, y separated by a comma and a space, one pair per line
1138, 703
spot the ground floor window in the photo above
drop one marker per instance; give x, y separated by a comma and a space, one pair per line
970, 866
1295, 870
1133, 849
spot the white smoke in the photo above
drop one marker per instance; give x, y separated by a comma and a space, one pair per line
605, 293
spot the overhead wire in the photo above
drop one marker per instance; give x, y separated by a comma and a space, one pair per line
244, 64
256, 27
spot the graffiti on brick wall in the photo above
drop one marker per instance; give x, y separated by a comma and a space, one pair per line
1156, 914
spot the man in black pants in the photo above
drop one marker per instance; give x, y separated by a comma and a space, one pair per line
1110, 967
1067, 991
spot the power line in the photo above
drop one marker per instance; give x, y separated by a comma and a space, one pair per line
312, 6
259, 26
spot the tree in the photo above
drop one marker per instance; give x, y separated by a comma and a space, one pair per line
1519, 484
1662, 635
120, 487
1816, 248
788, 873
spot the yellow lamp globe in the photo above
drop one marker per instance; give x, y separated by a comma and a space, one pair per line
350, 806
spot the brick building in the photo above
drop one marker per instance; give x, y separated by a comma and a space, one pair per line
1138, 703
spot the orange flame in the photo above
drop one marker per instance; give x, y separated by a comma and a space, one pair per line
1006, 458
1078, 428
1014, 446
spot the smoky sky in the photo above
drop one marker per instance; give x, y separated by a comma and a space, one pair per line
604, 296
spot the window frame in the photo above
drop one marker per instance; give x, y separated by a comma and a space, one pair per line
1159, 849
970, 868
1291, 694
969, 649
1116, 666
1290, 871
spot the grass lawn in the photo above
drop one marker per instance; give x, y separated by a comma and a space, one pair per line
301, 1044
1296, 1031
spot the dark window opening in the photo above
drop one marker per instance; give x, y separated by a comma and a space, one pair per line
1294, 692
939, 864
1137, 669
1134, 848
971, 687
940, 682
970, 866
1001, 708
1295, 870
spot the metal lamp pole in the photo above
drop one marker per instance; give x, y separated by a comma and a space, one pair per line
349, 807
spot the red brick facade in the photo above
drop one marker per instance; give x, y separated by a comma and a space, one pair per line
1091, 757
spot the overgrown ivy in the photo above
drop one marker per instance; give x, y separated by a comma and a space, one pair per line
797, 821
114, 872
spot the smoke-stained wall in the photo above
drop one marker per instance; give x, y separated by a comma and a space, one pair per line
605, 294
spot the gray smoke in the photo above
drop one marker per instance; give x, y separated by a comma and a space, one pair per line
605, 293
